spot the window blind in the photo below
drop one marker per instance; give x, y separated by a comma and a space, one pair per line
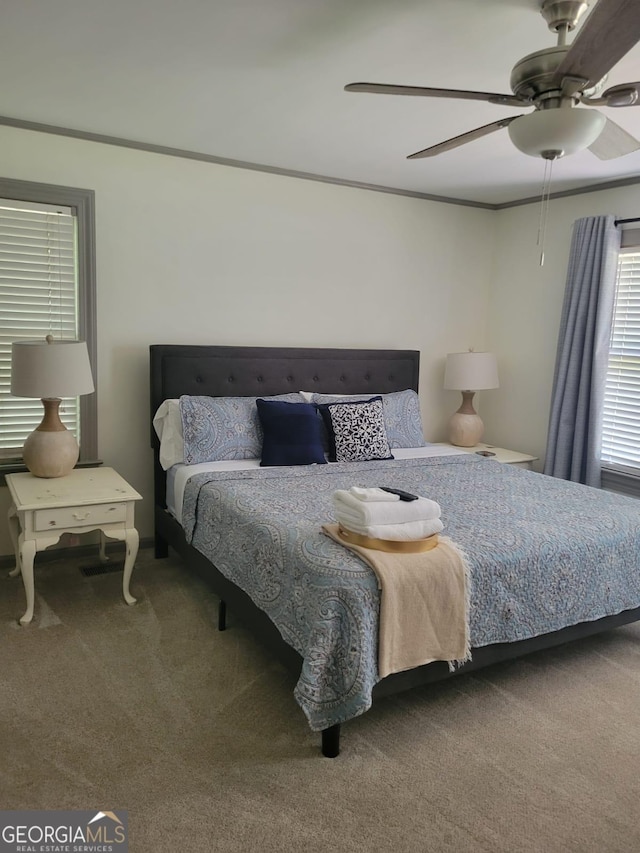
621, 420
39, 296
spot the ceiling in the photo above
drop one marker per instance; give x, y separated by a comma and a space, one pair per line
261, 82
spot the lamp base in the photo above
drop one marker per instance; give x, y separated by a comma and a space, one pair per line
465, 425
51, 450
465, 430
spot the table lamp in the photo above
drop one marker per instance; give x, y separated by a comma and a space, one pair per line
469, 372
50, 369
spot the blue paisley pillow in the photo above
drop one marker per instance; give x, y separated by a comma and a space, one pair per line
356, 430
216, 428
402, 417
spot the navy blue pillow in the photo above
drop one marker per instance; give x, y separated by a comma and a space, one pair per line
292, 433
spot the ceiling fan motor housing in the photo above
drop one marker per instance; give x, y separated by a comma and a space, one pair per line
532, 79
532, 76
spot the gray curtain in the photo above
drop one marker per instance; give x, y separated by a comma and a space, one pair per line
575, 422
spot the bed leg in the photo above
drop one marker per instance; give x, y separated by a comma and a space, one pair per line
161, 548
222, 615
331, 741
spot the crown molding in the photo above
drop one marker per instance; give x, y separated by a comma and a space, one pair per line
185, 154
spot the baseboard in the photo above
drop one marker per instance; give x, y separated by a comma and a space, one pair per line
67, 552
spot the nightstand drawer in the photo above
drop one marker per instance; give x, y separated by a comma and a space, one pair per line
79, 516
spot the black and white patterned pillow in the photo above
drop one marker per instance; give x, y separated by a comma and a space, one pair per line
402, 418
356, 431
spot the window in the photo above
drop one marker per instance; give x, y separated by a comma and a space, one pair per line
47, 285
621, 417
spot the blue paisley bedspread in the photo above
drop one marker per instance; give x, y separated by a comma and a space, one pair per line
543, 554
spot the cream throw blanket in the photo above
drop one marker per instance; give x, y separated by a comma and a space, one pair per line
424, 604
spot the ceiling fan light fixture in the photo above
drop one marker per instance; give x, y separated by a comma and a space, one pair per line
560, 130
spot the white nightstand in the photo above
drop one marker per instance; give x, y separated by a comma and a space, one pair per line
509, 457
86, 499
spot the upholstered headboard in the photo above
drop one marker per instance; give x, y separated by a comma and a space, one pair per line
224, 371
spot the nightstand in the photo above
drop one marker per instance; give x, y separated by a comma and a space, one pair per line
86, 499
509, 457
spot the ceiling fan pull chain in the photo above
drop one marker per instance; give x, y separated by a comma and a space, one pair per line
541, 217
544, 204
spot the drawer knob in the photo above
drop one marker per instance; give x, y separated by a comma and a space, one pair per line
80, 516
52, 524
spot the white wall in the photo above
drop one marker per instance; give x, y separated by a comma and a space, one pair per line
524, 318
190, 252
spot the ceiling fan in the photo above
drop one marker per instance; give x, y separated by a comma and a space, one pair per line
559, 82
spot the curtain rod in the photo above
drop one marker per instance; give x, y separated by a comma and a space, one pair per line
622, 221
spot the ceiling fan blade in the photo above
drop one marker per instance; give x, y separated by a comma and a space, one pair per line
614, 141
610, 31
422, 91
456, 141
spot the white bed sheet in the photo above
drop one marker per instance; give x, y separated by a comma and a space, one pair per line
178, 475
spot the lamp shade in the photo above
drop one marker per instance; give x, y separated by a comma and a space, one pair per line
471, 371
50, 369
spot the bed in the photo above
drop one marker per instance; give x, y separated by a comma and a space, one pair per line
550, 561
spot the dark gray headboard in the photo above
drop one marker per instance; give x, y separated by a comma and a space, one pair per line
220, 371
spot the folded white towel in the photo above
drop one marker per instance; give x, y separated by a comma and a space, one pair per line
397, 532
383, 512
374, 494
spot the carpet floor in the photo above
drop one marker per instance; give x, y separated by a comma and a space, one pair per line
196, 734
